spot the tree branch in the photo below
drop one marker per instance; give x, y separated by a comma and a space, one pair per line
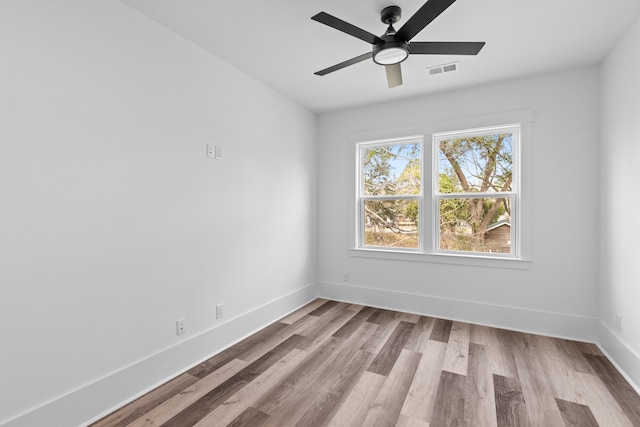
491, 164
382, 221
485, 221
456, 169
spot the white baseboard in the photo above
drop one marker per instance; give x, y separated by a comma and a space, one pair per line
513, 318
623, 357
558, 325
104, 395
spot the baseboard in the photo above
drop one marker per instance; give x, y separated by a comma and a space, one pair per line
623, 357
87, 404
513, 318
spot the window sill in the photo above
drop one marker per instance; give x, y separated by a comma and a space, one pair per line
455, 259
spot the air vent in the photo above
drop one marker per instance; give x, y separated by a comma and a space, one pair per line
445, 68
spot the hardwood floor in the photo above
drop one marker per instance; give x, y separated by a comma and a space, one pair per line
336, 364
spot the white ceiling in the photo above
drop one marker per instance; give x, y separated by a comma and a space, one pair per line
277, 43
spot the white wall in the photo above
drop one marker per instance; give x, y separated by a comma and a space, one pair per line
619, 292
113, 223
557, 295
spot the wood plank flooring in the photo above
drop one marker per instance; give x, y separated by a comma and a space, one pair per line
338, 364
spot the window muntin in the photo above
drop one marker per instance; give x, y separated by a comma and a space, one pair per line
471, 202
390, 194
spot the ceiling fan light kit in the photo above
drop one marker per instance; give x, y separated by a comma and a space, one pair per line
390, 53
394, 47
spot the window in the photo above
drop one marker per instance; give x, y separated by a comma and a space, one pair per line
449, 193
391, 194
475, 201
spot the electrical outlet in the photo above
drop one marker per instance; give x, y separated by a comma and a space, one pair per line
219, 311
181, 326
345, 276
618, 323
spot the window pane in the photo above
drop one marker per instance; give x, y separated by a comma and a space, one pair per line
476, 225
474, 164
391, 223
391, 170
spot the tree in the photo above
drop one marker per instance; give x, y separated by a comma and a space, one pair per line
392, 170
478, 164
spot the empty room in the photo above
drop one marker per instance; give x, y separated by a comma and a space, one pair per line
319, 213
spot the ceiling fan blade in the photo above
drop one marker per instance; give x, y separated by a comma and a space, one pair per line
427, 13
341, 65
345, 27
394, 75
445, 48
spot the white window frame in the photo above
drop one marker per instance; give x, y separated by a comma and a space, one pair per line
520, 258
363, 198
514, 194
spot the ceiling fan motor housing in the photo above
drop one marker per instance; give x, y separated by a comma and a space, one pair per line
390, 15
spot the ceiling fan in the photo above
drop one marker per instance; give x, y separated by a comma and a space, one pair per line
393, 47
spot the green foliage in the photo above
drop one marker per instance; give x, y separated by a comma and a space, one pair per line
452, 211
477, 164
448, 184
412, 211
